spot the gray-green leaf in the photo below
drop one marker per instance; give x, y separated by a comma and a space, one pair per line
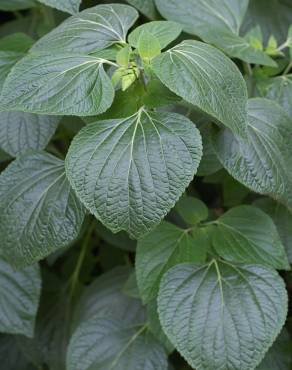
245, 234
130, 172
221, 316
12, 5
59, 84
206, 78
163, 248
69, 6
91, 30
40, 213
19, 298
262, 162
20, 131
146, 7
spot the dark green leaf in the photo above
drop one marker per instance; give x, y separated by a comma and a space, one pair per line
69, 6
192, 210
221, 316
146, 7
12, 5
130, 172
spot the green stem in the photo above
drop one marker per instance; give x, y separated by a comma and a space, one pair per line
247, 69
288, 68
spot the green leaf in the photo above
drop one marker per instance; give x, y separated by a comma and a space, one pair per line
59, 84
206, 78
146, 7
262, 162
278, 89
12, 5
11, 355
19, 299
282, 218
20, 132
39, 211
255, 38
148, 46
215, 22
69, 6
120, 240
158, 95
160, 250
97, 28
164, 31
279, 356
245, 234
130, 172
104, 343
192, 210
123, 56
221, 316
12, 49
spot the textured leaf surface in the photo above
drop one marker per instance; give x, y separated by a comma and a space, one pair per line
282, 218
262, 162
20, 132
245, 234
130, 172
146, 7
19, 299
206, 78
91, 30
11, 5
222, 316
69, 6
103, 343
63, 83
164, 31
160, 250
12, 49
39, 211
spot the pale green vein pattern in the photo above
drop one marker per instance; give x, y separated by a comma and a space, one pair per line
130, 172
221, 316
62, 83
91, 30
69, 6
206, 78
39, 211
263, 161
20, 131
245, 234
19, 298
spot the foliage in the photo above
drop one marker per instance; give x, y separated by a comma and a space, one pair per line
145, 184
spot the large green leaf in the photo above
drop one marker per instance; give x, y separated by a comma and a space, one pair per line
20, 132
215, 22
206, 78
164, 31
245, 234
105, 343
282, 218
12, 49
11, 355
221, 316
19, 299
262, 162
61, 83
279, 356
69, 6
39, 211
130, 172
146, 7
91, 30
163, 248
12, 5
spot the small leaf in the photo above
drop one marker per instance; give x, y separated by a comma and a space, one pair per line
194, 70
130, 172
69, 6
123, 56
245, 234
148, 46
20, 132
39, 211
98, 28
160, 250
164, 31
192, 210
262, 162
255, 38
221, 316
59, 84
19, 299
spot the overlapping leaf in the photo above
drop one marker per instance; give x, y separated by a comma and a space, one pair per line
12, 5
130, 172
146, 7
69, 6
